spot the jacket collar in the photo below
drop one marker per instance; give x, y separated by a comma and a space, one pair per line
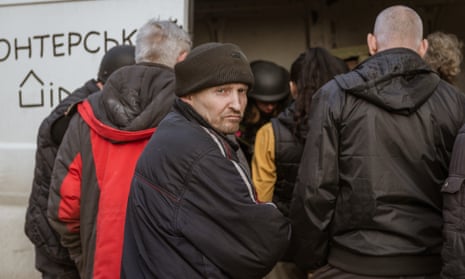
188, 111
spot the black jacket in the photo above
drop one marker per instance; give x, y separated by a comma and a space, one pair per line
367, 198
288, 152
192, 210
51, 257
453, 250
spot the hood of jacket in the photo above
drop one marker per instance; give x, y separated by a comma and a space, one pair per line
135, 97
397, 80
132, 103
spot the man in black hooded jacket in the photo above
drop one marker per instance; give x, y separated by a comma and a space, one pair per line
367, 202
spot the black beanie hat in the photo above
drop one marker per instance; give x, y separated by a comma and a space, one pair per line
210, 65
115, 58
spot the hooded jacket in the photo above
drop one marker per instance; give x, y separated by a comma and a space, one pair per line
192, 211
51, 256
453, 194
367, 198
96, 161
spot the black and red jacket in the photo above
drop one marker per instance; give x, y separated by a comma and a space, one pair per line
51, 256
95, 164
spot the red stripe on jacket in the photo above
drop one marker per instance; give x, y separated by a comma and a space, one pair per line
70, 192
114, 178
86, 112
114, 166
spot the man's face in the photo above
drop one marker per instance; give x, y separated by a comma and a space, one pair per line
221, 106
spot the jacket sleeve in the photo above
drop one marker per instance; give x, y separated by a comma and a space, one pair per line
316, 189
263, 166
453, 193
64, 197
221, 217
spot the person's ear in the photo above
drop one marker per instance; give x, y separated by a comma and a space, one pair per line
423, 48
293, 88
187, 98
181, 56
99, 85
372, 44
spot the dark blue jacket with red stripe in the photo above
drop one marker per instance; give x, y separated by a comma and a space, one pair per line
95, 164
192, 211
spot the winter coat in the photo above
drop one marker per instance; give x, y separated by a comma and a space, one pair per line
96, 161
453, 194
288, 149
276, 159
51, 257
367, 198
192, 211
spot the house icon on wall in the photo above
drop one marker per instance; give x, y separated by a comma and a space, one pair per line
31, 91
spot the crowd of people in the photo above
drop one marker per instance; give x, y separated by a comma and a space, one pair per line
194, 162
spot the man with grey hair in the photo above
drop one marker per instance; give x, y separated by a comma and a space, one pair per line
161, 42
96, 160
367, 201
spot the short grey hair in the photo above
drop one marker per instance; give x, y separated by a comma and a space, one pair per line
161, 41
398, 26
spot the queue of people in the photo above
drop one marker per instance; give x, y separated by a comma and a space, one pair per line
345, 175
52, 259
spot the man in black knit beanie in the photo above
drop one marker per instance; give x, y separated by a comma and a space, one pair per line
192, 211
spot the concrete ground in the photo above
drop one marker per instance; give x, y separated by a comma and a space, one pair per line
17, 253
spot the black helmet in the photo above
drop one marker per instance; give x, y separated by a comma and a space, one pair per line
271, 81
114, 59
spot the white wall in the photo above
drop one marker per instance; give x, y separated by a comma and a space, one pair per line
48, 49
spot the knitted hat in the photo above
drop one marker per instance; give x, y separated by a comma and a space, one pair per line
115, 58
210, 65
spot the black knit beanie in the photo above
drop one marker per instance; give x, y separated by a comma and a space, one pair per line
210, 65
